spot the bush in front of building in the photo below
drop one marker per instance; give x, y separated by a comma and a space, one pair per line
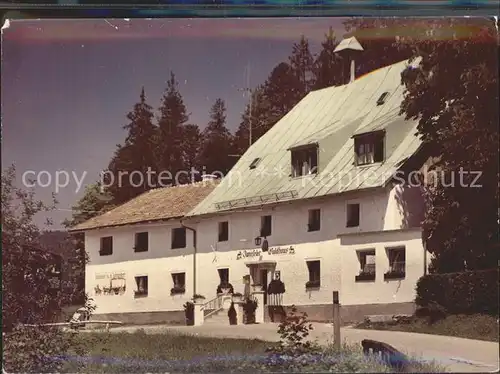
231, 313
189, 313
459, 293
276, 287
249, 308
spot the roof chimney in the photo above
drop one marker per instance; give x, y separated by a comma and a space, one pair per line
348, 48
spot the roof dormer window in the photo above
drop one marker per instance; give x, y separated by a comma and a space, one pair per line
382, 98
369, 148
304, 161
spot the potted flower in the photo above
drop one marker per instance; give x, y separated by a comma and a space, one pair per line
198, 299
231, 313
177, 290
237, 297
225, 288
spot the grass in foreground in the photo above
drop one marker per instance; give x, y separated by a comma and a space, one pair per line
140, 352
477, 326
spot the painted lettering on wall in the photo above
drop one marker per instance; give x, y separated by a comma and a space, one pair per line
272, 251
110, 283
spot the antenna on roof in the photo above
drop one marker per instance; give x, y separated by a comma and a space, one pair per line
349, 47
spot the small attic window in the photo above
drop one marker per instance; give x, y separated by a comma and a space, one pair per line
254, 163
382, 98
304, 160
369, 148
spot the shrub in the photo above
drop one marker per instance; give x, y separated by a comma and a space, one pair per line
177, 290
249, 308
293, 331
189, 313
198, 296
466, 292
231, 313
276, 287
29, 293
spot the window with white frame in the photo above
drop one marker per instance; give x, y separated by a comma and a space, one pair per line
367, 261
179, 283
397, 262
223, 275
369, 148
366, 265
314, 223
142, 286
314, 268
304, 161
106, 248
178, 238
352, 213
141, 242
223, 231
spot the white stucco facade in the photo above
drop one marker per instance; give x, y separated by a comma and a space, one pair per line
158, 264
382, 226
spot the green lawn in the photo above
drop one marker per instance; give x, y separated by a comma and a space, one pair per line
477, 326
140, 353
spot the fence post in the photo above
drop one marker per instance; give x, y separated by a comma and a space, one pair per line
336, 320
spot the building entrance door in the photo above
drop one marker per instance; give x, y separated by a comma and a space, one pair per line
263, 279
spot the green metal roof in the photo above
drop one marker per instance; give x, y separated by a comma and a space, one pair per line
329, 118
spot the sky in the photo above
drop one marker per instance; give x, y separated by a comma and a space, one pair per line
67, 85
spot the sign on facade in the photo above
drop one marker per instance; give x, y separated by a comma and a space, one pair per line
272, 251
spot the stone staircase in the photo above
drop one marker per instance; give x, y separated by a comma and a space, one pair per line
217, 318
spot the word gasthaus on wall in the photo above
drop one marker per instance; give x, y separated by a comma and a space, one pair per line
272, 251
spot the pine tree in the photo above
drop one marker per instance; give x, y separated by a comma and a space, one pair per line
328, 65
190, 147
216, 144
301, 63
133, 167
279, 94
257, 115
173, 116
94, 202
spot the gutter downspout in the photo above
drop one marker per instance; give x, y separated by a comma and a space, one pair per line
194, 254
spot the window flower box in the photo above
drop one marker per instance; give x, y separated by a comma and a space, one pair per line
177, 290
394, 274
364, 276
311, 285
141, 293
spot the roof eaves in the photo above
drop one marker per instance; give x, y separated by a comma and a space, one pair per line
141, 222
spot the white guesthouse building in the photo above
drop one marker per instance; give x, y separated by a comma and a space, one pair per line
323, 191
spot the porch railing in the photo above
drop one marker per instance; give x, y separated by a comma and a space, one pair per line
212, 306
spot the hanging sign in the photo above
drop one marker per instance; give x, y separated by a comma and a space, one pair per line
272, 251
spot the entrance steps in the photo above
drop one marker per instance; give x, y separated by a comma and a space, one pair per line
217, 318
